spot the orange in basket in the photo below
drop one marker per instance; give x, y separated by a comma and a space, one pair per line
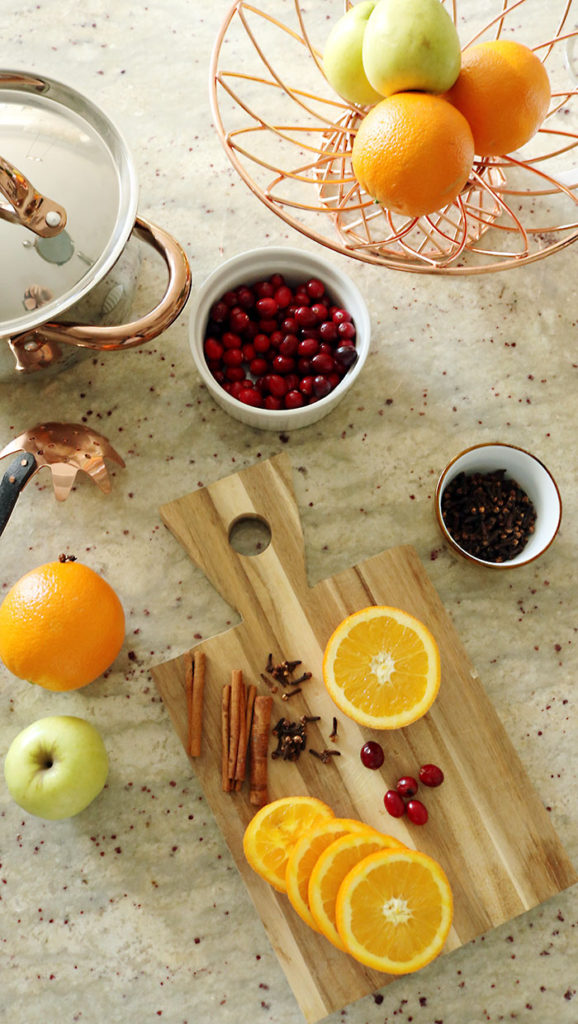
503, 91
413, 152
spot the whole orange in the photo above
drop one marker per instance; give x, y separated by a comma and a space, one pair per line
61, 626
413, 152
503, 91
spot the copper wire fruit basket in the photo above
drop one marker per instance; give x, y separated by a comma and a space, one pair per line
289, 136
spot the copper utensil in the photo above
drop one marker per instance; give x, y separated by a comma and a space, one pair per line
65, 448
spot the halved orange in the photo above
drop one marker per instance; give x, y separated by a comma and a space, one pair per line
382, 667
394, 910
330, 869
273, 831
304, 854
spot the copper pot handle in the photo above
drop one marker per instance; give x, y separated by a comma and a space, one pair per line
37, 348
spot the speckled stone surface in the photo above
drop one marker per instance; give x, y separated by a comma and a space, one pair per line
134, 911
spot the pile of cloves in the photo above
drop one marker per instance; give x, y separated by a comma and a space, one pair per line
488, 515
292, 737
284, 673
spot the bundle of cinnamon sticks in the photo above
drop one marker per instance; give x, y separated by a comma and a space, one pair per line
245, 725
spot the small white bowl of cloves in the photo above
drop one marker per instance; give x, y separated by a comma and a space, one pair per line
498, 505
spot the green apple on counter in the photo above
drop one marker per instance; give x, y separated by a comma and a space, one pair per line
56, 767
411, 45
342, 57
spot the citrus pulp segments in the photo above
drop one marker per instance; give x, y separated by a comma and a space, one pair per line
394, 910
273, 831
381, 667
304, 855
331, 868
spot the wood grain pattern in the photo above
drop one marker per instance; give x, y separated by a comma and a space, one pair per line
502, 856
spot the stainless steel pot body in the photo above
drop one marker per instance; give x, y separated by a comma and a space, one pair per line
68, 220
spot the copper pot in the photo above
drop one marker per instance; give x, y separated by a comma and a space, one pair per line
68, 230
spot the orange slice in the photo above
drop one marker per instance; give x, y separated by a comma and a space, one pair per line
273, 831
394, 911
382, 667
304, 854
330, 869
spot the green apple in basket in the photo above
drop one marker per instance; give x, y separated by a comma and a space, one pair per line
56, 767
411, 45
342, 57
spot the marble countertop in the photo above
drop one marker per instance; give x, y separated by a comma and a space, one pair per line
134, 910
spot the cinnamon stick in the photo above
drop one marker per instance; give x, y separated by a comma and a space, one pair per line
225, 736
259, 749
237, 715
196, 712
245, 732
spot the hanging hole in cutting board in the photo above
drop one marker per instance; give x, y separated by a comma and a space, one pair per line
249, 535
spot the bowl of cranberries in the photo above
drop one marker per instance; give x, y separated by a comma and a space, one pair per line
279, 336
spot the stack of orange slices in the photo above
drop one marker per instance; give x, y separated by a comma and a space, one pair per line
388, 906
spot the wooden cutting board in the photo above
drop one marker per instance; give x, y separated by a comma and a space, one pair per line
487, 826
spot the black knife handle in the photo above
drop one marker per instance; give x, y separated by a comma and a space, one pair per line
14, 480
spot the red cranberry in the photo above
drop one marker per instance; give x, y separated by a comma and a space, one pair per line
258, 367
235, 373
346, 355
294, 399
277, 385
239, 320
322, 363
250, 396
315, 288
407, 786
321, 386
346, 330
231, 340
261, 343
289, 346
431, 775
246, 298
328, 330
213, 349
283, 296
320, 310
219, 312
305, 316
290, 325
264, 289
393, 803
249, 352
306, 386
267, 307
283, 364
308, 347
304, 367
233, 357
417, 812
372, 755
339, 315
267, 326
271, 402
230, 299
277, 280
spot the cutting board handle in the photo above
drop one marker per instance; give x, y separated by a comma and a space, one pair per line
255, 585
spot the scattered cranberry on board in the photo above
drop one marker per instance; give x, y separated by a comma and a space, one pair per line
372, 755
431, 775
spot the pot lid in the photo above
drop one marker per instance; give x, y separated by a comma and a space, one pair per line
82, 186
